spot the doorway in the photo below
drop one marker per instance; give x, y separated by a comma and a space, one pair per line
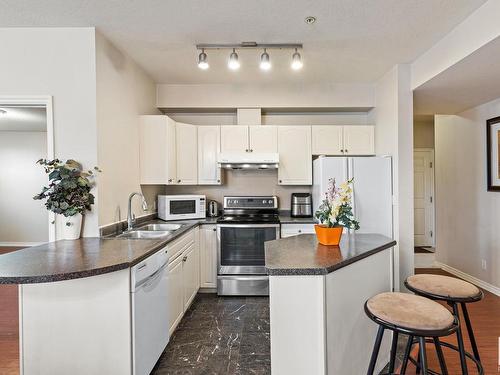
25, 136
423, 169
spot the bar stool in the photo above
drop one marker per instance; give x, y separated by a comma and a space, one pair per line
415, 316
454, 292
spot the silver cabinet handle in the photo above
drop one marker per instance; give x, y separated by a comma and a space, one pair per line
300, 231
346, 151
218, 180
247, 150
342, 151
185, 258
178, 181
169, 180
215, 229
142, 266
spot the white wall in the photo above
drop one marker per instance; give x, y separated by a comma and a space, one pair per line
124, 91
393, 117
467, 215
59, 62
22, 219
266, 96
423, 132
240, 182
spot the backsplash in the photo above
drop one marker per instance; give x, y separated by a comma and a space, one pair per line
244, 182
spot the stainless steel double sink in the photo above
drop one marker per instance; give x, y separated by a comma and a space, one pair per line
151, 231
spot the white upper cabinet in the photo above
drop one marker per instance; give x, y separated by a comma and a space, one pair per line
294, 147
157, 151
234, 138
187, 151
209, 172
327, 140
263, 138
359, 140
343, 140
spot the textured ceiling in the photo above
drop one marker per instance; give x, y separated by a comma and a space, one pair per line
352, 40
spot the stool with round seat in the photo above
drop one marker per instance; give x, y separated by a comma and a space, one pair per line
454, 292
413, 315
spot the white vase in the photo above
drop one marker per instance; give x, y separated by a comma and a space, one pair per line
72, 231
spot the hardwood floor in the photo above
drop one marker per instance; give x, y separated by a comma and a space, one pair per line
9, 326
485, 316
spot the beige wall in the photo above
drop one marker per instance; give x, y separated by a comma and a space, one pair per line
59, 62
467, 215
393, 117
124, 91
22, 220
423, 132
239, 182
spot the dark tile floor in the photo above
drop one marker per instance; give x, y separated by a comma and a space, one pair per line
220, 335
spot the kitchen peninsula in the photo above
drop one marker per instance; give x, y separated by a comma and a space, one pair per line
317, 293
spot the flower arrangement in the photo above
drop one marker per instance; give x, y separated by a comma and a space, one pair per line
336, 209
68, 193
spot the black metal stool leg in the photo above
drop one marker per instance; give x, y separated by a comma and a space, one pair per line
376, 348
439, 351
417, 371
460, 339
404, 365
394, 348
422, 356
470, 332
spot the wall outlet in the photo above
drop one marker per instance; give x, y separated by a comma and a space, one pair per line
483, 264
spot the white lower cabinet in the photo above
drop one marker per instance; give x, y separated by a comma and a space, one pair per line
190, 274
208, 256
175, 294
183, 275
288, 230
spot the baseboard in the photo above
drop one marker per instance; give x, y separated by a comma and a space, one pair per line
474, 280
20, 244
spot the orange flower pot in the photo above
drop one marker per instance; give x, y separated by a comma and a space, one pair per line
328, 236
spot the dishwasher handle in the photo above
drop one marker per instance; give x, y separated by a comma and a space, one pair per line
151, 279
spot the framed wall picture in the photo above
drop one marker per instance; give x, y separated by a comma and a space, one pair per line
493, 150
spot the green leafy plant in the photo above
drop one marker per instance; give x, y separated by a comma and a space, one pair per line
336, 209
68, 193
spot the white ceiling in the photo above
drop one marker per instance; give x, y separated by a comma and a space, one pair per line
23, 119
473, 81
352, 41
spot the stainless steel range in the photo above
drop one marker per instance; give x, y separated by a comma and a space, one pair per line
246, 223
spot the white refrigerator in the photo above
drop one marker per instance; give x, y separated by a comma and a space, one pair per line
372, 190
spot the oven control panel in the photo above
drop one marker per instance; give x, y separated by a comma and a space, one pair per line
270, 202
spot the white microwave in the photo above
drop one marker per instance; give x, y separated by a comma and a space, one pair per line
181, 207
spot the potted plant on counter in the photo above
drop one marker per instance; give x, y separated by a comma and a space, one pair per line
68, 193
335, 213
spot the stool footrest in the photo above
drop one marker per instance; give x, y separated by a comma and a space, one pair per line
452, 347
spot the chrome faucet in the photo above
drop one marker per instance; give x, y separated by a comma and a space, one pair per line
130, 215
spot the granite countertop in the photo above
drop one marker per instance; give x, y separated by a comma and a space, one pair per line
91, 256
303, 255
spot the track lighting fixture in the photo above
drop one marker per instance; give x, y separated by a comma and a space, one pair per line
296, 60
233, 62
265, 62
203, 60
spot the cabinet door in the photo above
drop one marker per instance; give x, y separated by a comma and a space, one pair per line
175, 293
359, 140
208, 256
190, 274
289, 230
263, 138
327, 140
208, 149
157, 152
187, 151
234, 138
294, 147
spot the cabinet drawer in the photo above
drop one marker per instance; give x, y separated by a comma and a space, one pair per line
288, 230
177, 247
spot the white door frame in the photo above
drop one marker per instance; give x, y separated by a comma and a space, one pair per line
433, 188
46, 101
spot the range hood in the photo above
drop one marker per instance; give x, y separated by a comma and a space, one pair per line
248, 160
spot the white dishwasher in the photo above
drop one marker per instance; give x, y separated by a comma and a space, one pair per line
150, 321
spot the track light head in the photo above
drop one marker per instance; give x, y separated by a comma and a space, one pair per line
297, 61
233, 62
265, 61
203, 60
